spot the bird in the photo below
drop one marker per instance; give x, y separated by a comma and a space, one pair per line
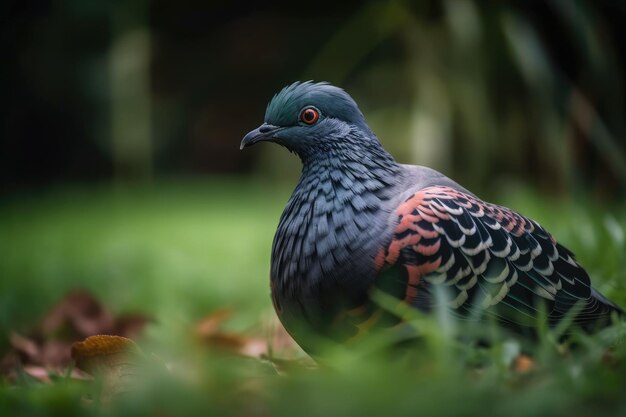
360, 222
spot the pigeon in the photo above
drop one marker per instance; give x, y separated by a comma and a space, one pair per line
358, 222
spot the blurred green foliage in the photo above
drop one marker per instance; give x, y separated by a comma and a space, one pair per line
487, 92
183, 248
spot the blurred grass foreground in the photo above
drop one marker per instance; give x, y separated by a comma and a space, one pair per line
181, 250
122, 185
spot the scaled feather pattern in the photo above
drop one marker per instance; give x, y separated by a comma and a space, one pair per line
358, 221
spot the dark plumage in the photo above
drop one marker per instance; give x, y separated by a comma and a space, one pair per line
358, 220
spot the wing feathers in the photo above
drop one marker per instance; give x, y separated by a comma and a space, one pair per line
487, 254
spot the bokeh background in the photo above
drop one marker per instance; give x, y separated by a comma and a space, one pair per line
120, 169
531, 92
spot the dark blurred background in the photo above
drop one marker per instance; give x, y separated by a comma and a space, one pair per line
488, 92
121, 176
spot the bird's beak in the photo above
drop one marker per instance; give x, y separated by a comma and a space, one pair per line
263, 132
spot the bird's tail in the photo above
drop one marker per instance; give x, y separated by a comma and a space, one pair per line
607, 305
600, 312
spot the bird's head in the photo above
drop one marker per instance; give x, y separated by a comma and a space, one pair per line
311, 118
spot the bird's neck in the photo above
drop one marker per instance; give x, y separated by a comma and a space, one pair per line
346, 161
351, 178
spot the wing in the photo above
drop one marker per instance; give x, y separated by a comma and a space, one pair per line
487, 256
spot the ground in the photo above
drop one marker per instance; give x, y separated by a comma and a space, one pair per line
179, 251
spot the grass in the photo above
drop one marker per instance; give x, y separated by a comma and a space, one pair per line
180, 250
176, 251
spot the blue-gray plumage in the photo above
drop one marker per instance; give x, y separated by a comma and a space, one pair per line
358, 220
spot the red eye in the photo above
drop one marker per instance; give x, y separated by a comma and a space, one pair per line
309, 116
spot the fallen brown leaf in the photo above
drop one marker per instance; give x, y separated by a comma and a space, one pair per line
243, 345
103, 351
75, 317
208, 331
25, 347
115, 359
210, 324
43, 374
276, 339
38, 372
80, 314
523, 364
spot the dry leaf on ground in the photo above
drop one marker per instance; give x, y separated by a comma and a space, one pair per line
208, 330
523, 364
115, 359
46, 349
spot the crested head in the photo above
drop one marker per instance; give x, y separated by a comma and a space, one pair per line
331, 102
316, 120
